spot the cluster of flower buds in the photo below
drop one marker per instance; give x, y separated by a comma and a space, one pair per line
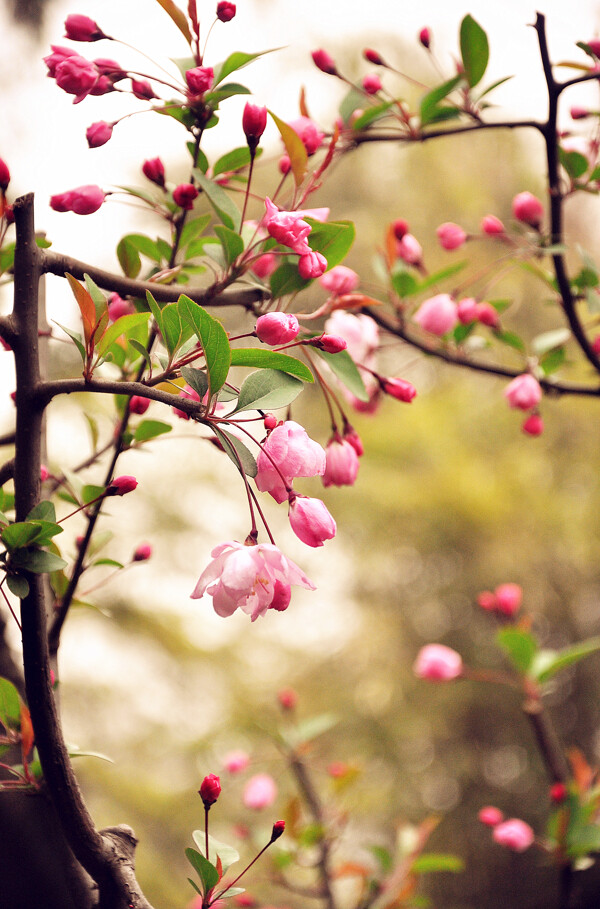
513, 834
505, 600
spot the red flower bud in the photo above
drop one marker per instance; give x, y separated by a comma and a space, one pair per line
254, 121
270, 421
98, 133
82, 28
558, 793
142, 89
4, 176
371, 83
121, 485
287, 698
199, 79
400, 228
425, 37
138, 405
184, 195
324, 62
210, 790
399, 389
225, 11
328, 343
373, 57
154, 170
84, 200
278, 829
142, 552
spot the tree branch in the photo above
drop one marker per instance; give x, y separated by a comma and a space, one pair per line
372, 135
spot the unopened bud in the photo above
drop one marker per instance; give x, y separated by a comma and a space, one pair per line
278, 829
328, 343
142, 553
120, 486
210, 790
425, 37
373, 57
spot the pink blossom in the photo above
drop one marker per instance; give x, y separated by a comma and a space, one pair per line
466, 310
225, 10
4, 176
276, 328
120, 486
210, 789
254, 122
295, 454
288, 698
515, 834
341, 467
57, 56
309, 132
310, 520
84, 200
311, 265
528, 208
594, 46
533, 425
492, 225
154, 170
372, 56
437, 662
247, 577
410, 250
184, 195
425, 37
371, 83
579, 113
98, 133
143, 90
236, 761
82, 28
490, 816
264, 265
287, 228
523, 392
361, 333
259, 792
487, 314
351, 436
329, 343
400, 228
451, 235
142, 552
340, 280
191, 394
508, 598
44, 473
401, 389
76, 76
317, 214
324, 62
437, 315
138, 405
199, 79
118, 307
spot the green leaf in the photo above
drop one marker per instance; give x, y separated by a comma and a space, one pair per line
214, 98
268, 389
429, 104
75, 337
442, 275
270, 359
549, 665
314, 726
193, 229
206, 871
224, 207
548, 340
286, 280
233, 160
573, 162
235, 61
96, 295
228, 855
38, 561
510, 339
332, 239
155, 310
17, 585
403, 283
129, 258
232, 891
175, 328
437, 861
150, 429
43, 511
495, 85
346, 371
237, 451
232, 243
371, 114
519, 646
21, 534
10, 705
214, 341
553, 360
7, 257
474, 49
124, 326
195, 886
141, 349
196, 379
294, 147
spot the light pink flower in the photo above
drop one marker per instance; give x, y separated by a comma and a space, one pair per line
492, 225
528, 208
371, 83
410, 250
259, 792
340, 280
466, 310
341, 466
287, 228
523, 392
515, 834
451, 235
294, 453
236, 761
361, 333
249, 578
437, 662
265, 265
311, 265
490, 816
309, 132
276, 328
437, 315
310, 520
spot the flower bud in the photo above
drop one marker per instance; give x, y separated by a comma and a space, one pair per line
154, 170
236, 761
533, 425
260, 792
410, 250
4, 176
142, 89
341, 465
466, 310
287, 698
200, 79
98, 133
82, 28
508, 599
340, 280
425, 38
373, 57
328, 343
210, 790
142, 552
118, 307
225, 11
515, 834
400, 228
311, 265
487, 315
487, 600
284, 165
438, 663
490, 816
400, 389
437, 315
594, 46
254, 121
184, 195
310, 520
138, 404
120, 486
492, 226
270, 421
523, 392
579, 113
76, 76
324, 62
278, 829
351, 435
44, 473
451, 235
84, 200
277, 328
558, 793
528, 209
371, 83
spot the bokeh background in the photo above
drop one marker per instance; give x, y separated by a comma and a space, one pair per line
451, 498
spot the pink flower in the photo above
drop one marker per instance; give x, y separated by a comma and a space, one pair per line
328, 343
84, 200
154, 170
528, 208
351, 436
310, 520
236, 761
515, 834
487, 600
259, 792
82, 28
200, 79
400, 228
186, 392
410, 250
57, 56
98, 133
340, 280
523, 392
425, 37
492, 226
120, 486
276, 328
508, 598
451, 235
4, 176
225, 11
371, 83
309, 132
579, 113
487, 315
490, 816
311, 265
437, 662
210, 789
143, 90
265, 265
533, 425
288, 698
324, 62
287, 228
138, 405
558, 793
254, 121
466, 310
76, 76
44, 473
594, 46
118, 307
400, 389
142, 553
361, 332
341, 467
437, 315
249, 578
295, 454
184, 195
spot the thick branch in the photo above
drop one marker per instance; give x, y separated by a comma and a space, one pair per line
48, 390
550, 748
373, 135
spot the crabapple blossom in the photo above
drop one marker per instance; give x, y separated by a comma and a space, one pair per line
287, 228
371, 83
143, 90
579, 113
249, 578
84, 200
508, 598
199, 79
309, 133
527, 208
264, 265
277, 831
425, 37
373, 57
287, 698
82, 28
437, 315
466, 310
4, 176
225, 11
184, 195
351, 436
311, 265
259, 792
120, 486
154, 170
142, 552
451, 235
439, 663
558, 793
401, 389
296, 455
490, 816
98, 133
76, 76
515, 834
594, 46
361, 333
236, 761
310, 520
57, 56
118, 307
533, 425
328, 343
138, 405
210, 789
341, 467
492, 225
340, 280
487, 315
523, 392
400, 228
277, 328
254, 122
324, 62
410, 250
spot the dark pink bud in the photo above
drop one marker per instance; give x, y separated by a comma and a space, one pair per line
328, 343
490, 816
324, 62
142, 89
84, 200
508, 598
138, 405
558, 793
371, 83
277, 328
76, 76
287, 698
4, 344
57, 56
373, 57
528, 208
82, 28
466, 310
533, 425
254, 121
285, 165
487, 315
596, 344
199, 79
120, 486
4, 176
118, 307
400, 228
44, 473
278, 829
154, 170
312, 265
351, 435
594, 46
225, 11
142, 552
103, 85
425, 37
492, 225
270, 421
579, 113
98, 133
210, 790
400, 389
184, 195
107, 67
487, 600
9, 214
451, 235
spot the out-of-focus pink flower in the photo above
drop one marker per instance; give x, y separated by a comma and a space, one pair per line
311, 521
276, 328
311, 265
82, 28
98, 133
508, 598
437, 315
558, 793
371, 83
184, 195
425, 37
259, 792
527, 208
288, 698
154, 170
340, 280
351, 436
118, 307
523, 392
309, 132
594, 46
248, 578
84, 200
451, 235
400, 228
225, 10
265, 265
490, 816
487, 600
341, 467
324, 62
361, 333
142, 552
236, 761
285, 165
44, 473
287, 228
401, 389
199, 79
409, 250
4, 176
120, 486
533, 425
138, 404
439, 663
515, 834
487, 315
254, 121
210, 789
466, 310
76, 76
492, 226
295, 454
143, 90
579, 113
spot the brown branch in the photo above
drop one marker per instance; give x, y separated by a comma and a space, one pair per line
7, 471
372, 135
48, 390
547, 740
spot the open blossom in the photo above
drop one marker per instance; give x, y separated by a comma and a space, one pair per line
84, 200
340, 280
296, 455
287, 228
57, 56
515, 834
309, 132
437, 315
341, 467
523, 392
437, 662
277, 328
451, 235
259, 792
250, 578
310, 520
